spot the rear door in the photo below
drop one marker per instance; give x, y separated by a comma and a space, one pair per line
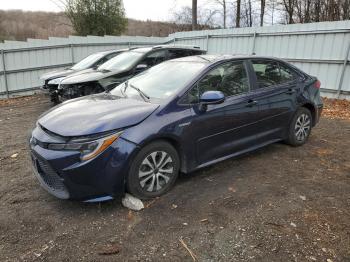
275, 89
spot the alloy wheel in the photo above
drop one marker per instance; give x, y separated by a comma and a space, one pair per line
302, 127
155, 171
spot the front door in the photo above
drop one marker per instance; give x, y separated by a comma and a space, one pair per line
226, 128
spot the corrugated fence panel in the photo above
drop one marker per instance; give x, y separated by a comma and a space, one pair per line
346, 83
37, 58
318, 48
2, 84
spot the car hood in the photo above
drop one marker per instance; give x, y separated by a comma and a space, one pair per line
88, 76
95, 114
57, 74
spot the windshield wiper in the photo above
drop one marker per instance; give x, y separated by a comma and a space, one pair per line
142, 94
122, 90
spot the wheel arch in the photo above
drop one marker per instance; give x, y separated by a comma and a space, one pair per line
312, 110
173, 141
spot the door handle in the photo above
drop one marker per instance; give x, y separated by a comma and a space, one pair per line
291, 91
252, 103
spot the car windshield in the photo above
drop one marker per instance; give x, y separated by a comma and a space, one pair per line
87, 61
122, 61
161, 81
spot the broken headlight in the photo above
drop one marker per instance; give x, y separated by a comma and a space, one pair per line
56, 81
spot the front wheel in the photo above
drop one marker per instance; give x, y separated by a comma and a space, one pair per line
54, 97
153, 171
300, 127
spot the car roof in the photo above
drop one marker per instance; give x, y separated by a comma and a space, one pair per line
210, 59
114, 51
160, 47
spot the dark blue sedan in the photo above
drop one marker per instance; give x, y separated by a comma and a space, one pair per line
178, 116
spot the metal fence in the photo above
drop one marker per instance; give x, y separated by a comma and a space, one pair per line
320, 49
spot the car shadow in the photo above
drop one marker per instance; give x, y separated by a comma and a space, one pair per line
184, 180
231, 162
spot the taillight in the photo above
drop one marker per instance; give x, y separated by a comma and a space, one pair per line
317, 84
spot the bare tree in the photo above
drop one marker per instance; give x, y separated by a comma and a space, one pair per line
223, 4
302, 11
238, 13
289, 6
262, 11
194, 14
272, 6
250, 13
345, 6
317, 8
247, 19
205, 18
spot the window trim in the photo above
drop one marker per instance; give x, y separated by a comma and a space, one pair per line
213, 67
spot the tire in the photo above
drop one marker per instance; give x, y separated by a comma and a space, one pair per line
153, 171
55, 98
300, 127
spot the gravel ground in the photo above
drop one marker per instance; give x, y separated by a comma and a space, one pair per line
276, 204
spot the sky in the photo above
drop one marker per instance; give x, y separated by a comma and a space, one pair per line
160, 10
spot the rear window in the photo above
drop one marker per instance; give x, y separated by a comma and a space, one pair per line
177, 53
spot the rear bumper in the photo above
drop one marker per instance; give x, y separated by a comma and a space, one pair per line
64, 176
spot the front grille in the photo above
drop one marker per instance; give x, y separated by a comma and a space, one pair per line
49, 179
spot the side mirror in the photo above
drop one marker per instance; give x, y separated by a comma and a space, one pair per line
210, 98
141, 67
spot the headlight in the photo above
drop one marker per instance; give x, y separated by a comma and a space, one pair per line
56, 81
88, 149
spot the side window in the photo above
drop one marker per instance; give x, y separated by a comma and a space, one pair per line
270, 73
199, 52
105, 59
230, 78
286, 74
100, 62
110, 56
267, 73
155, 58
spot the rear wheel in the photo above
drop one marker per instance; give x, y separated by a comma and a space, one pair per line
300, 127
153, 171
